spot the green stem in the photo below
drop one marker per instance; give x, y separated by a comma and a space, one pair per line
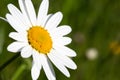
9, 61
19, 72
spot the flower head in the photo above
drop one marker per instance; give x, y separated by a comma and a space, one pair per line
115, 47
40, 37
92, 53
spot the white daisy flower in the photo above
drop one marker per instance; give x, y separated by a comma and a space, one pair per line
41, 37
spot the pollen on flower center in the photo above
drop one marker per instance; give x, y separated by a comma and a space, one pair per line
40, 39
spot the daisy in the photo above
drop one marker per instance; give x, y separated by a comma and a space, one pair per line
40, 37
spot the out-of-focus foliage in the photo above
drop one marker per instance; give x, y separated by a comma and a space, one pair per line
95, 24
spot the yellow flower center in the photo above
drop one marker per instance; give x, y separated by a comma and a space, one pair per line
40, 39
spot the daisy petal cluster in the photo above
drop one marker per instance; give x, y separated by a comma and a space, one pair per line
41, 37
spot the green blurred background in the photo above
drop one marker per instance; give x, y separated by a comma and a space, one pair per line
95, 24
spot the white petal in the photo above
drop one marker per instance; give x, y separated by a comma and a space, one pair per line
46, 19
58, 63
42, 13
26, 51
18, 16
31, 11
36, 57
16, 46
24, 11
35, 71
65, 51
65, 60
19, 36
62, 30
15, 24
62, 41
54, 21
47, 66
3, 19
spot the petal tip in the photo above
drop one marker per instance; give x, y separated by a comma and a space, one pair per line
75, 67
9, 5
68, 75
60, 13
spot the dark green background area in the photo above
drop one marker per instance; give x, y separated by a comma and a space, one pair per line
94, 23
